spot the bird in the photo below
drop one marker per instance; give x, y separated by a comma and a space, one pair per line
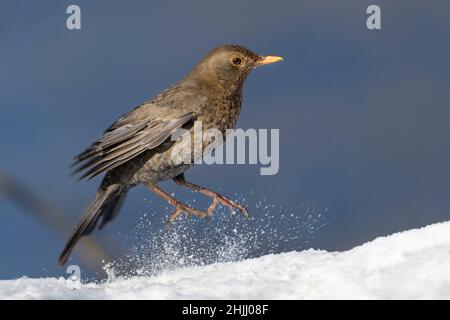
136, 149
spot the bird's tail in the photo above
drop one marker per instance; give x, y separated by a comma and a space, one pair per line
106, 205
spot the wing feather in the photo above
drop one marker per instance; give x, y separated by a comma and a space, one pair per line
121, 143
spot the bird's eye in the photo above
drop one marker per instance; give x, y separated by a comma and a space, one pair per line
237, 61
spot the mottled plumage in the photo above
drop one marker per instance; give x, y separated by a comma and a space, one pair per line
136, 149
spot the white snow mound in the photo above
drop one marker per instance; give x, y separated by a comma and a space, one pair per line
409, 265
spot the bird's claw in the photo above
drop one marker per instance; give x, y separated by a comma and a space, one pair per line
218, 198
181, 208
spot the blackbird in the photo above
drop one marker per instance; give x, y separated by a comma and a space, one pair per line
136, 149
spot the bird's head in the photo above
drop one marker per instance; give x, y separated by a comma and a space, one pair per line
229, 65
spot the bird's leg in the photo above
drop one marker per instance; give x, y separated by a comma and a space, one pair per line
179, 206
215, 196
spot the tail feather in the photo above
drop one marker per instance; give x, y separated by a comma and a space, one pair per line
106, 205
111, 209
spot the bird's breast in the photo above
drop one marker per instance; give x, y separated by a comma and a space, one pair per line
221, 112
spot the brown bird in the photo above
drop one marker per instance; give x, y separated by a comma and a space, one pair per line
137, 148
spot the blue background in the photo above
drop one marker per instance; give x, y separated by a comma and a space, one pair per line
363, 115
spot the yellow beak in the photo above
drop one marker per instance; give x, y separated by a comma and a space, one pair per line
269, 60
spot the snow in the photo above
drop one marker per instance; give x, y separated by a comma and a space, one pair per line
414, 264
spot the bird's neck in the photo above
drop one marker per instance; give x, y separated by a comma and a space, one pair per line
224, 97
210, 83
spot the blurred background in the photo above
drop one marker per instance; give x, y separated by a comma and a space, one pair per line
363, 117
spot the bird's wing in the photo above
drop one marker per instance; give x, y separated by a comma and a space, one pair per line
142, 129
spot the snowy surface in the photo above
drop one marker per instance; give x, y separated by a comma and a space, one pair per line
412, 265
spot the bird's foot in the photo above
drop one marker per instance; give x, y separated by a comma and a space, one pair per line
181, 208
218, 198
215, 196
